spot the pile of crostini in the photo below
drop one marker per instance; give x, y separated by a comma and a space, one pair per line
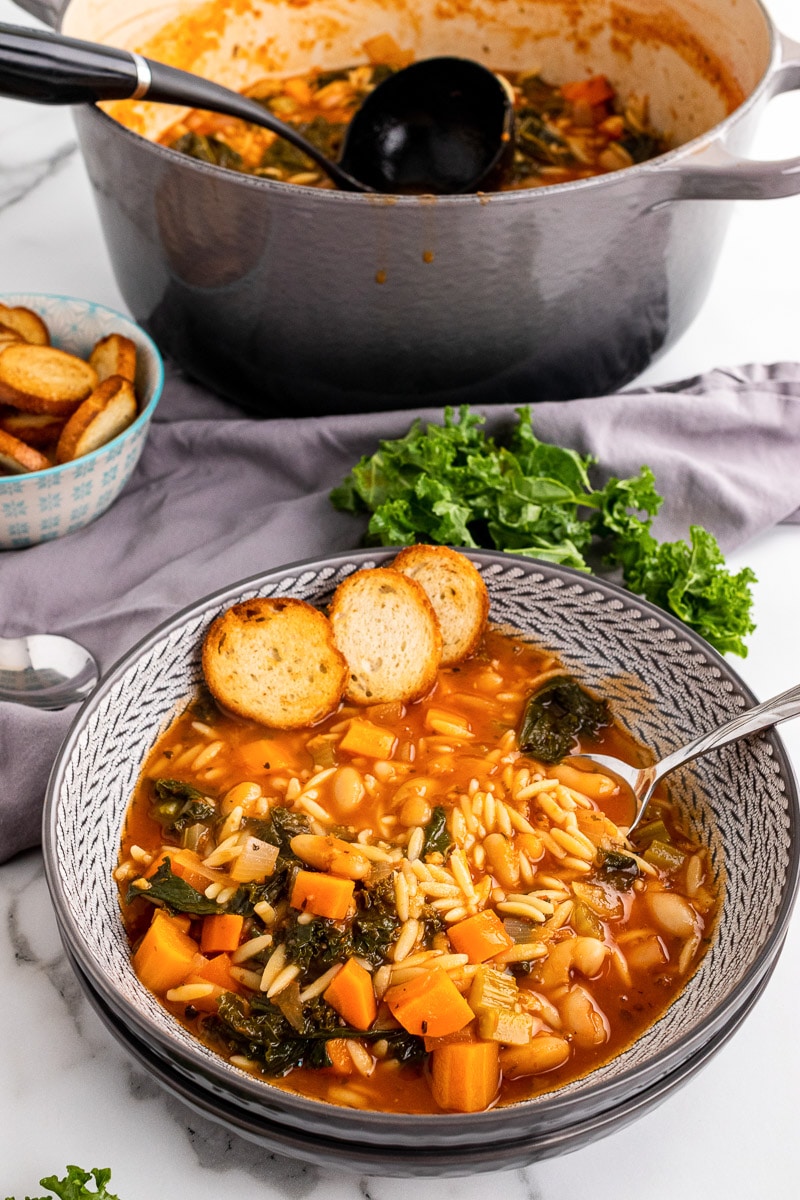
55, 406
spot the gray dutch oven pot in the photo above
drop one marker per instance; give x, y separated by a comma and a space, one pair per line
290, 300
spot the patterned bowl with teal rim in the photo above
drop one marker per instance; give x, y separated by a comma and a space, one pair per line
43, 505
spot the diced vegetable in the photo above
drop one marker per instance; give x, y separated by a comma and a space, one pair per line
665, 857
264, 755
257, 861
165, 954
218, 970
480, 937
507, 1028
465, 1076
341, 1062
168, 888
429, 1004
591, 91
321, 894
363, 737
352, 995
221, 932
187, 865
492, 988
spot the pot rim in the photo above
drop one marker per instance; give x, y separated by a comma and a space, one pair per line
653, 166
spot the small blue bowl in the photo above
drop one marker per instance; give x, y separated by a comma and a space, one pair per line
43, 505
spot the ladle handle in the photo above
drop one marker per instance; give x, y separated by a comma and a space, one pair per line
50, 69
752, 720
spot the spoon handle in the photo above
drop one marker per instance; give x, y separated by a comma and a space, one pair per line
752, 720
48, 68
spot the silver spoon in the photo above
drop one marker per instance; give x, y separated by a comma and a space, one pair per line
642, 781
44, 670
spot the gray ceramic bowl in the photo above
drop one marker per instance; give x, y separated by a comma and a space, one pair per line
665, 684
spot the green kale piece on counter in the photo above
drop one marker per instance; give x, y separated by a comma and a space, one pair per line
451, 484
73, 1185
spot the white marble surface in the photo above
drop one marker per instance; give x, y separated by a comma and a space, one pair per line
71, 1095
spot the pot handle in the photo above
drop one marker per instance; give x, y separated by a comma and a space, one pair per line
49, 12
716, 174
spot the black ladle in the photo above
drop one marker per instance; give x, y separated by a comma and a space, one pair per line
442, 126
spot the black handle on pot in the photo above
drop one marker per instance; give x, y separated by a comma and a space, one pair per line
50, 69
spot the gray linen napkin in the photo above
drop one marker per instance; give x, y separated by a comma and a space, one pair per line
218, 496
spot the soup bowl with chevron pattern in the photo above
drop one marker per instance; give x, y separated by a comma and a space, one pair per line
41, 504
663, 684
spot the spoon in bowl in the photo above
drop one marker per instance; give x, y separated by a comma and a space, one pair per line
642, 781
45, 670
440, 126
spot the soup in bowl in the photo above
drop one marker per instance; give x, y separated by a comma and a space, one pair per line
677, 911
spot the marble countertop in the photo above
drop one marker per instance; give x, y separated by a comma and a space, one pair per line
70, 1094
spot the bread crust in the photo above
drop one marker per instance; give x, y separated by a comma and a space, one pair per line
44, 379
114, 355
387, 630
28, 324
273, 660
18, 457
39, 430
457, 592
109, 410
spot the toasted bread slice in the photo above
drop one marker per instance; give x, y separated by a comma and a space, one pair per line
43, 379
18, 458
274, 661
8, 335
455, 589
37, 429
114, 355
386, 628
109, 410
29, 325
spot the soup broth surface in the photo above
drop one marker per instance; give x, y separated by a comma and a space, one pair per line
426, 816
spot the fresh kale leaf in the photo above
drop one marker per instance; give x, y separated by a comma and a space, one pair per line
558, 713
73, 1185
175, 893
453, 485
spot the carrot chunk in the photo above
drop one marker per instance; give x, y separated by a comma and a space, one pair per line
165, 954
321, 894
187, 866
363, 737
352, 995
429, 1005
221, 932
592, 91
465, 1076
264, 754
217, 970
341, 1062
480, 937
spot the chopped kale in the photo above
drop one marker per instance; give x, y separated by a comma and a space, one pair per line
175, 893
437, 838
208, 149
179, 805
620, 870
537, 140
556, 714
204, 706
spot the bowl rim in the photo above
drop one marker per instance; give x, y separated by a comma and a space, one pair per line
28, 300
449, 1127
